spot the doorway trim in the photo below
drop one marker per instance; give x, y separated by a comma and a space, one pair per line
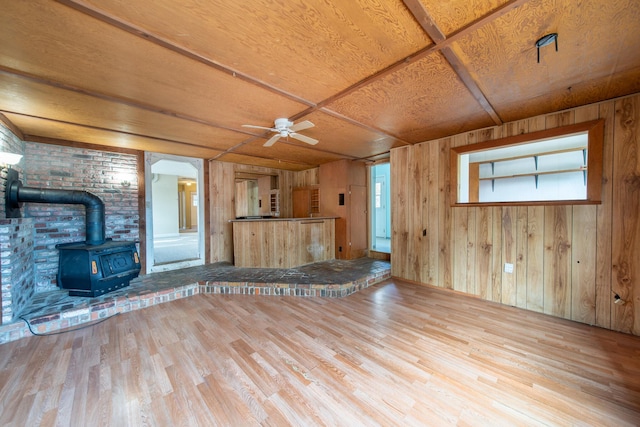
198, 164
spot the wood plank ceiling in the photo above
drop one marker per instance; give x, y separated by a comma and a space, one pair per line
183, 76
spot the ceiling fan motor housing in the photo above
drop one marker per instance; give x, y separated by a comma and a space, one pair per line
282, 125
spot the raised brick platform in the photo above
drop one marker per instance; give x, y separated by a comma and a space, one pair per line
56, 310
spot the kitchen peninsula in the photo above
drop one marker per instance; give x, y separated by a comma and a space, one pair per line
282, 242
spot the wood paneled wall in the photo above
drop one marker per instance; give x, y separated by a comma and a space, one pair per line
569, 261
222, 201
306, 178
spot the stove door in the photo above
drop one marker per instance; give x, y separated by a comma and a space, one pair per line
118, 262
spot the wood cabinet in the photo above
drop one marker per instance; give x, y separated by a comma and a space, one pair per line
306, 202
343, 193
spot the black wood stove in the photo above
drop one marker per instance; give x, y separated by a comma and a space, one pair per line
93, 270
90, 268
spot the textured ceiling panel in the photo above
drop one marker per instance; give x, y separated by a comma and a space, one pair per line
312, 48
422, 101
593, 62
452, 15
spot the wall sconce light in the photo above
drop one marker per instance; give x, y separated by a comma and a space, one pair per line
10, 159
546, 40
125, 179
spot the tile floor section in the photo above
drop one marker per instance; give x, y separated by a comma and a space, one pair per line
56, 310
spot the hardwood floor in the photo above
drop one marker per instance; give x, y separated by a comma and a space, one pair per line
393, 354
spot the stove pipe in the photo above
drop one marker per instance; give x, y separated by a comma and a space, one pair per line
16, 193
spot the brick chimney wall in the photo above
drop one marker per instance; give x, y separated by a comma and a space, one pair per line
110, 176
16, 243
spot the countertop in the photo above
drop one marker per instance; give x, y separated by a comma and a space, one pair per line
256, 219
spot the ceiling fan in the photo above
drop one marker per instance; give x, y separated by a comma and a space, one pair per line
285, 127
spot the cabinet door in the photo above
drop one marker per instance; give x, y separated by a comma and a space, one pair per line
264, 191
301, 202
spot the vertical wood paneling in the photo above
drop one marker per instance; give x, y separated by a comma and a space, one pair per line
626, 206
583, 263
496, 255
535, 258
423, 226
557, 261
414, 205
431, 222
521, 256
459, 235
399, 226
484, 253
471, 252
445, 260
568, 260
306, 178
604, 214
222, 188
509, 291
584, 247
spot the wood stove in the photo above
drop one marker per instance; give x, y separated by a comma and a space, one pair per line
90, 268
93, 270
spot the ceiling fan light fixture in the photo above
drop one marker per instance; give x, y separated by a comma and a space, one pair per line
285, 128
546, 40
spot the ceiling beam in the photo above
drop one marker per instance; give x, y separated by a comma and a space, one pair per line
13, 128
363, 126
429, 26
85, 145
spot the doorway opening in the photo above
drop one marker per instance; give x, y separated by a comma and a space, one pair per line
174, 212
380, 208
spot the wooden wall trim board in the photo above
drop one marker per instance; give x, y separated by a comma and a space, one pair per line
569, 260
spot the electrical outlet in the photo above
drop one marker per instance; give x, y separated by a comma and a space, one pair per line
508, 268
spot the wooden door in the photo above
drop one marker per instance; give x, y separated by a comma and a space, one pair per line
301, 202
357, 230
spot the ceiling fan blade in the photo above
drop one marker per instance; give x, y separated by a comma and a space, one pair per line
303, 138
272, 140
257, 127
301, 126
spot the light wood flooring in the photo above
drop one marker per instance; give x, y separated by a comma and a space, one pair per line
393, 354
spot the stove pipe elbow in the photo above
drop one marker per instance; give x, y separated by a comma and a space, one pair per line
16, 193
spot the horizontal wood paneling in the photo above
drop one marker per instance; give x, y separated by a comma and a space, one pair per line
569, 261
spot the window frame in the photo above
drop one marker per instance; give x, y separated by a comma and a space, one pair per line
595, 132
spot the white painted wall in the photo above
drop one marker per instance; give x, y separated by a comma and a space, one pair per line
165, 205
